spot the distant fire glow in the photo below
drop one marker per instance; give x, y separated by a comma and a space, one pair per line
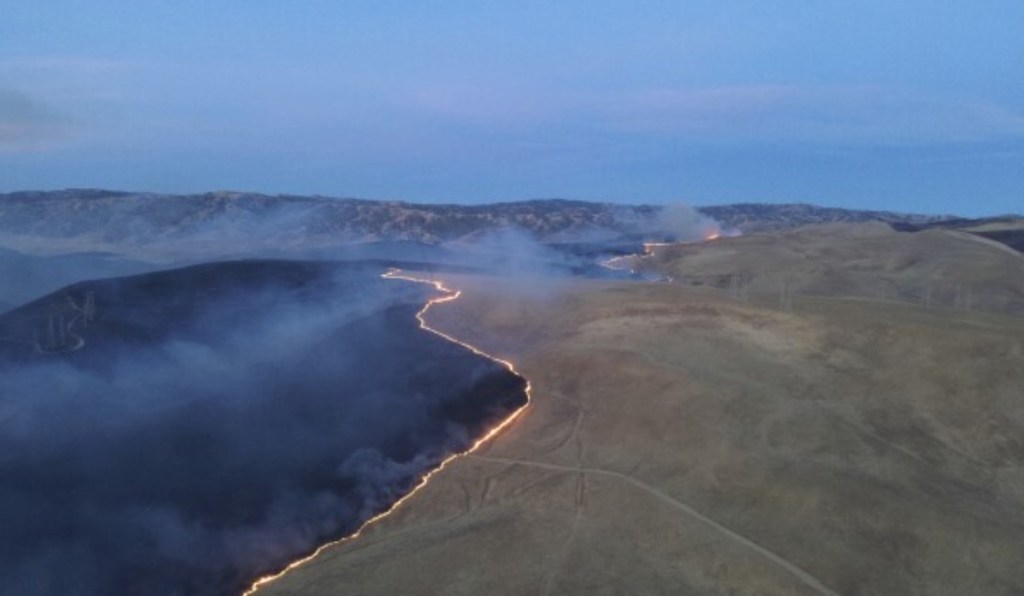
448, 296
629, 262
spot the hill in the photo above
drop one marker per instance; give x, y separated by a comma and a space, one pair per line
759, 217
186, 431
1007, 229
224, 224
936, 267
27, 276
686, 438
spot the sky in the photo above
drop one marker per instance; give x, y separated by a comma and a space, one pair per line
910, 106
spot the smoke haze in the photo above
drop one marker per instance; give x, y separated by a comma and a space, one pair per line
209, 424
221, 421
681, 222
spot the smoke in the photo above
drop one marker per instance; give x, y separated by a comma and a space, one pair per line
512, 254
224, 419
682, 223
220, 421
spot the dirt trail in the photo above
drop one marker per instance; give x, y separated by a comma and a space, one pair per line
802, 575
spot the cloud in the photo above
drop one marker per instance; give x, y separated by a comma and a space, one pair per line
832, 114
491, 105
70, 77
28, 123
839, 114
65, 65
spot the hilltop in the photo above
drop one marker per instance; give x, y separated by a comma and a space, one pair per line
937, 267
242, 223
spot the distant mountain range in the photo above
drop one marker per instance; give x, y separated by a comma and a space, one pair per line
761, 217
54, 222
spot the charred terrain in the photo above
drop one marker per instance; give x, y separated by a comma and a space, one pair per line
184, 432
198, 391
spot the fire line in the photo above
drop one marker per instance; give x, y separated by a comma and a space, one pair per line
449, 296
649, 247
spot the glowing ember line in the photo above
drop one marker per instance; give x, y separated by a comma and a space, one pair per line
649, 247
449, 295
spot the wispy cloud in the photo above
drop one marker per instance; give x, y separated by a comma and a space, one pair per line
838, 114
74, 78
47, 100
28, 123
490, 105
746, 113
63, 64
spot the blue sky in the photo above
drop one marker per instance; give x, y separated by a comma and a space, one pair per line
912, 105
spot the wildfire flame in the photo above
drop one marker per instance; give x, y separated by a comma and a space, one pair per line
649, 248
449, 295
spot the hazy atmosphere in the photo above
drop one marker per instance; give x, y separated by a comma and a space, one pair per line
214, 430
911, 106
663, 297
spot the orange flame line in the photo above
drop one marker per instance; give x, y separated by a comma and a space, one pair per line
449, 296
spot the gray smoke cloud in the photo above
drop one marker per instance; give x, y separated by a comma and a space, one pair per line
683, 223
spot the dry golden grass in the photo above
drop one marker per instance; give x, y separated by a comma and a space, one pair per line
684, 441
937, 268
